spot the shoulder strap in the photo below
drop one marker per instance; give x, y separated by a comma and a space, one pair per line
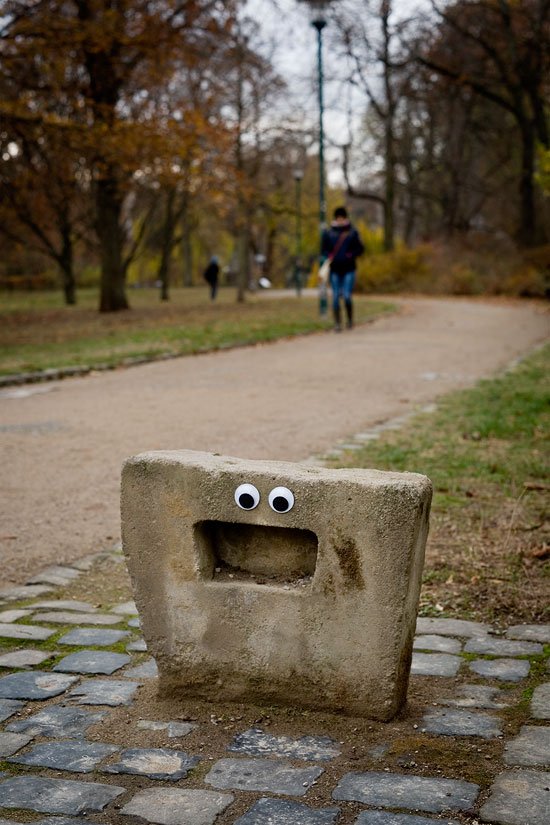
338, 244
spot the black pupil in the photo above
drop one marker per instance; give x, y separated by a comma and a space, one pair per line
246, 501
280, 504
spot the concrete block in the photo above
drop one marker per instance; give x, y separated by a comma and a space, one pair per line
306, 597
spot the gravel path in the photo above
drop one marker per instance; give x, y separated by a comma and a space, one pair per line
62, 444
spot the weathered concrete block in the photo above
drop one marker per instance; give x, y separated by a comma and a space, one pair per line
272, 582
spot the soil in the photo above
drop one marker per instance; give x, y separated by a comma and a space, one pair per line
400, 746
62, 444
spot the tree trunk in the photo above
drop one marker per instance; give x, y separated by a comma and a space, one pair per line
163, 275
187, 252
167, 246
243, 274
409, 229
65, 262
109, 232
270, 252
389, 201
528, 234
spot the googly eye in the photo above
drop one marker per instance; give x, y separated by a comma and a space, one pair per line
281, 499
247, 496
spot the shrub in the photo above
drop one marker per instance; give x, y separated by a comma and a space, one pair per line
402, 270
478, 265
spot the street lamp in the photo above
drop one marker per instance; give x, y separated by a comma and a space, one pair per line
298, 176
318, 9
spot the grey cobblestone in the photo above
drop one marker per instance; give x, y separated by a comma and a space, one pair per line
138, 646
37, 684
146, 670
24, 658
58, 576
268, 775
438, 644
531, 747
530, 632
503, 647
31, 591
25, 631
56, 796
111, 692
420, 793
59, 820
283, 812
101, 637
476, 696
540, 703
462, 723
435, 664
255, 742
12, 742
387, 818
518, 798
82, 619
7, 616
8, 707
76, 755
155, 763
65, 604
174, 806
505, 670
92, 661
58, 722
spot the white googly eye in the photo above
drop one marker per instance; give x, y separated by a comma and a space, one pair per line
281, 499
247, 496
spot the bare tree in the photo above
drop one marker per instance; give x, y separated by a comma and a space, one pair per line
499, 50
43, 195
372, 38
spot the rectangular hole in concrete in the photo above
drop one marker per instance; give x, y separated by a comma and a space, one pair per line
255, 553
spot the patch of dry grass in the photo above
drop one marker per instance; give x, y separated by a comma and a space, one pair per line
487, 453
34, 334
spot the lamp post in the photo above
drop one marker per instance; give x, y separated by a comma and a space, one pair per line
317, 11
298, 176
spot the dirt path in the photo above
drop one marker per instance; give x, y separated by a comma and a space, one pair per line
62, 444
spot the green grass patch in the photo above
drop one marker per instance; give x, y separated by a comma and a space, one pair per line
36, 335
493, 437
486, 450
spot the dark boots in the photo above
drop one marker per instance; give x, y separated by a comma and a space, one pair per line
338, 317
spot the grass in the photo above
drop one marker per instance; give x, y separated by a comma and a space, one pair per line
487, 452
37, 333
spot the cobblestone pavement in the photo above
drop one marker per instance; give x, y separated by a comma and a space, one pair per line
83, 736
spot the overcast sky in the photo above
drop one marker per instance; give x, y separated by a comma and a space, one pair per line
291, 43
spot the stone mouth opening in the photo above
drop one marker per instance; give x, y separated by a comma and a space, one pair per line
257, 554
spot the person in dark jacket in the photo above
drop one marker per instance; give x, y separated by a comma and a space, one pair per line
211, 274
342, 245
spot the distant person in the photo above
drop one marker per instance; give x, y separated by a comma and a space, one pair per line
342, 245
211, 275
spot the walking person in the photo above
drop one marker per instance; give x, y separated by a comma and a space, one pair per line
210, 275
342, 245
